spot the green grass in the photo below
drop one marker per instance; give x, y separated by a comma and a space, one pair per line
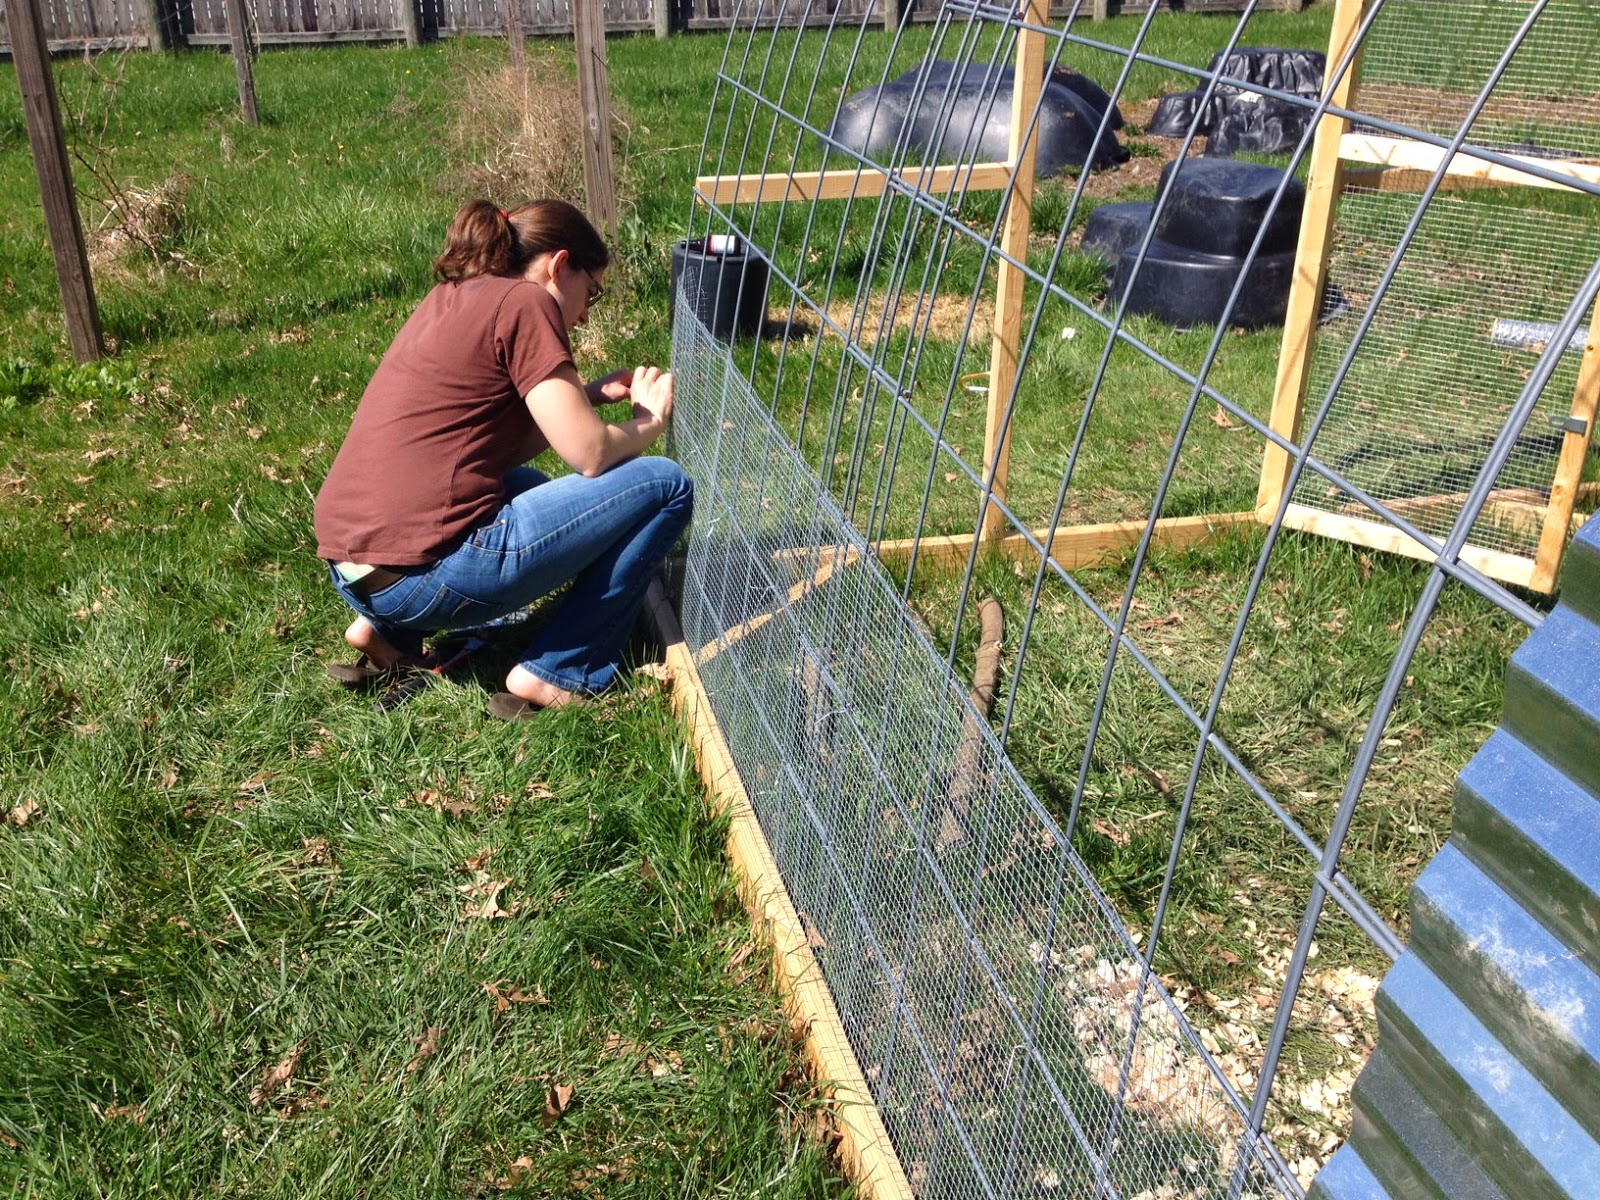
219, 860
232, 860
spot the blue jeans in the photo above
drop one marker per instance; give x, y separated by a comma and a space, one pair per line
606, 535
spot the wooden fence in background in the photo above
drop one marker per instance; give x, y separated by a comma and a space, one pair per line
78, 25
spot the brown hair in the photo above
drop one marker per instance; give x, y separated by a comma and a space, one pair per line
485, 240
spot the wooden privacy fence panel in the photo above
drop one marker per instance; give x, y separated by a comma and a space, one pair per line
205, 22
103, 24
450, 17
84, 24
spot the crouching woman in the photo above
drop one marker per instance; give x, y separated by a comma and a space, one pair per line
428, 520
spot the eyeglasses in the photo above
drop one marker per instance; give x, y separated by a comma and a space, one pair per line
596, 291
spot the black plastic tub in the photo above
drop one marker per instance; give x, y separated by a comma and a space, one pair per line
724, 285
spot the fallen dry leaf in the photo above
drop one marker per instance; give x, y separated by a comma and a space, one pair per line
514, 1175
302, 1104
124, 1112
427, 1047
256, 782
485, 891
814, 937
1222, 420
557, 1098
504, 999
1117, 836
276, 1077
24, 812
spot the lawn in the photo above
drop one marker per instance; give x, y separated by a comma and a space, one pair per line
257, 938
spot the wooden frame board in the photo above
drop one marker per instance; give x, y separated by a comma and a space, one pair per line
864, 1144
1396, 164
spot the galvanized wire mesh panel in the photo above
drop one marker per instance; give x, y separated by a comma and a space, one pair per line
1016, 913
1435, 375
1014, 1041
1425, 61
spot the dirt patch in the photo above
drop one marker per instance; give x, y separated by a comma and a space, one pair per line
1150, 154
945, 316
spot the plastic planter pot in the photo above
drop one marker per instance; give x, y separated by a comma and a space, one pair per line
724, 282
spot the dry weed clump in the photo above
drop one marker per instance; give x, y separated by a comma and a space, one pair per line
518, 130
137, 222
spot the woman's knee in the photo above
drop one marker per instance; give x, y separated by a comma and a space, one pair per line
672, 482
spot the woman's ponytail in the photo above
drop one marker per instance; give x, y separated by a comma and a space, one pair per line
486, 240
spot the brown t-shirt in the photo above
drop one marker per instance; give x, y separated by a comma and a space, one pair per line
441, 423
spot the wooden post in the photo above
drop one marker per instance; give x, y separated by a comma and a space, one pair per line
43, 116
1099, 10
594, 99
157, 34
1026, 83
891, 14
239, 40
1323, 185
662, 11
1569, 467
514, 40
410, 23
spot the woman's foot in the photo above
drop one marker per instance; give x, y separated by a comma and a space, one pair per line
364, 637
525, 685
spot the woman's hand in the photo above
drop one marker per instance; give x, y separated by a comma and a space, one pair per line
610, 389
651, 393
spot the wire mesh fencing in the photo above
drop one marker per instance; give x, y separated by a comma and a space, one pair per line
1119, 935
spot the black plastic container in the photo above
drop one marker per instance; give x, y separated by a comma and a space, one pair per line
1184, 287
725, 285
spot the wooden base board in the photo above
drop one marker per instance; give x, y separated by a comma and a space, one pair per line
869, 1157
1375, 535
1075, 547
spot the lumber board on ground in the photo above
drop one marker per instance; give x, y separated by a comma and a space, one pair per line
1422, 156
1074, 547
1376, 535
864, 1147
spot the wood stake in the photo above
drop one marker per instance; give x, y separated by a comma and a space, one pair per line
1026, 83
239, 40
514, 42
50, 164
1569, 467
409, 22
1310, 267
594, 98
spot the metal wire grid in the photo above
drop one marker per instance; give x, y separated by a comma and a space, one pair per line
848, 789
1434, 377
1548, 103
995, 1001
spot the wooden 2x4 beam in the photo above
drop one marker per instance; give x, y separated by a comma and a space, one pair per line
862, 183
868, 1154
1077, 547
1421, 156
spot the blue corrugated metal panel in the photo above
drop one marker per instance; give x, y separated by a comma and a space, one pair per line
1486, 1081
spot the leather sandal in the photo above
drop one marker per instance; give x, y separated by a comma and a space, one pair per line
507, 707
363, 673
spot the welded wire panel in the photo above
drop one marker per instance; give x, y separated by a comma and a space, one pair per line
1015, 1043
1457, 332
1425, 61
1081, 941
